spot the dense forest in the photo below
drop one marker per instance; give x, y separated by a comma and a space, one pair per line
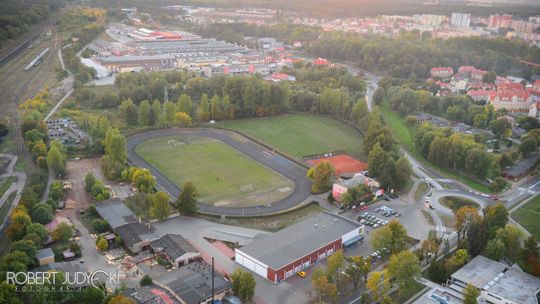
16, 17
409, 54
335, 8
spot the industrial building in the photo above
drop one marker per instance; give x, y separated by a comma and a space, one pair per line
187, 46
138, 63
176, 249
135, 235
497, 283
280, 255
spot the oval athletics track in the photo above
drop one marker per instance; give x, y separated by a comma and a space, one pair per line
276, 162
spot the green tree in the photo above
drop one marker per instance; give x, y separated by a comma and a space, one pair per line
470, 295
379, 95
89, 181
160, 206
501, 127
335, 263
42, 213
187, 200
203, 109
29, 248
129, 112
528, 123
214, 107
144, 113
243, 284
8, 294
56, 191
155, 113
404, 268
115, 158
391, 236
496, 217
360, 113
63, 232
146, 280
184, 104
321, 176
100, 225
92, 295
39, 230
102, 244
498, 185
511, 236
495, 249
169, 109
527, 146
56, 158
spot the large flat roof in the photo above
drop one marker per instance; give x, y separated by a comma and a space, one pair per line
517, 286
193, 282
116, 213
294, 242
479, 271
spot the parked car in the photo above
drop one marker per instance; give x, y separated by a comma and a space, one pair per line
302, 274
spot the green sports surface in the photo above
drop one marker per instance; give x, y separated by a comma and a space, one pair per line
298, 135
222, 175
528, 215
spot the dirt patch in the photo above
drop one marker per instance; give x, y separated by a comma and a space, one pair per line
77, 170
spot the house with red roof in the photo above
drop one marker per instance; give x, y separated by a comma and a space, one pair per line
479, 95
321, 61
441, 72
514, 101
510, 87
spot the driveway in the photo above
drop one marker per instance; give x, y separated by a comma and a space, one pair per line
271, 160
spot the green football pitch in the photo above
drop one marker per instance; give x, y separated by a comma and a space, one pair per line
299, 135
528, 215
222, 175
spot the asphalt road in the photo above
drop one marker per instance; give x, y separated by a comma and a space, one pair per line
274, 161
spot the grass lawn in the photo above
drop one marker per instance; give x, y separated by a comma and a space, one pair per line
404, 296
422, 189
454, 203
299, 135
404, 135
222, 176
271, 223
528, 215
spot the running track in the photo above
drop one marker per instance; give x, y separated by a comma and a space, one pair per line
251, 149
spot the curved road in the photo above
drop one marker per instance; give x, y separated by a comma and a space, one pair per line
251, 149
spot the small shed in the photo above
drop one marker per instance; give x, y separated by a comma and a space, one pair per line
45, 256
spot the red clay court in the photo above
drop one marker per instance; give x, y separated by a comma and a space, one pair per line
343, 163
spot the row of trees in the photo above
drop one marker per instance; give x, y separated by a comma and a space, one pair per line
385, 161
455, 151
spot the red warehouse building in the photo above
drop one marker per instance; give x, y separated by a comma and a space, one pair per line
280, 255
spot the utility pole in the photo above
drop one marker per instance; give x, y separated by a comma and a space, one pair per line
212, 280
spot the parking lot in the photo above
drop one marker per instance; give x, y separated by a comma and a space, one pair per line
380, 213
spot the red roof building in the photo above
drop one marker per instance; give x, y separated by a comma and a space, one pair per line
321, 61
441, 72
514, 101
479, 95
510, 87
